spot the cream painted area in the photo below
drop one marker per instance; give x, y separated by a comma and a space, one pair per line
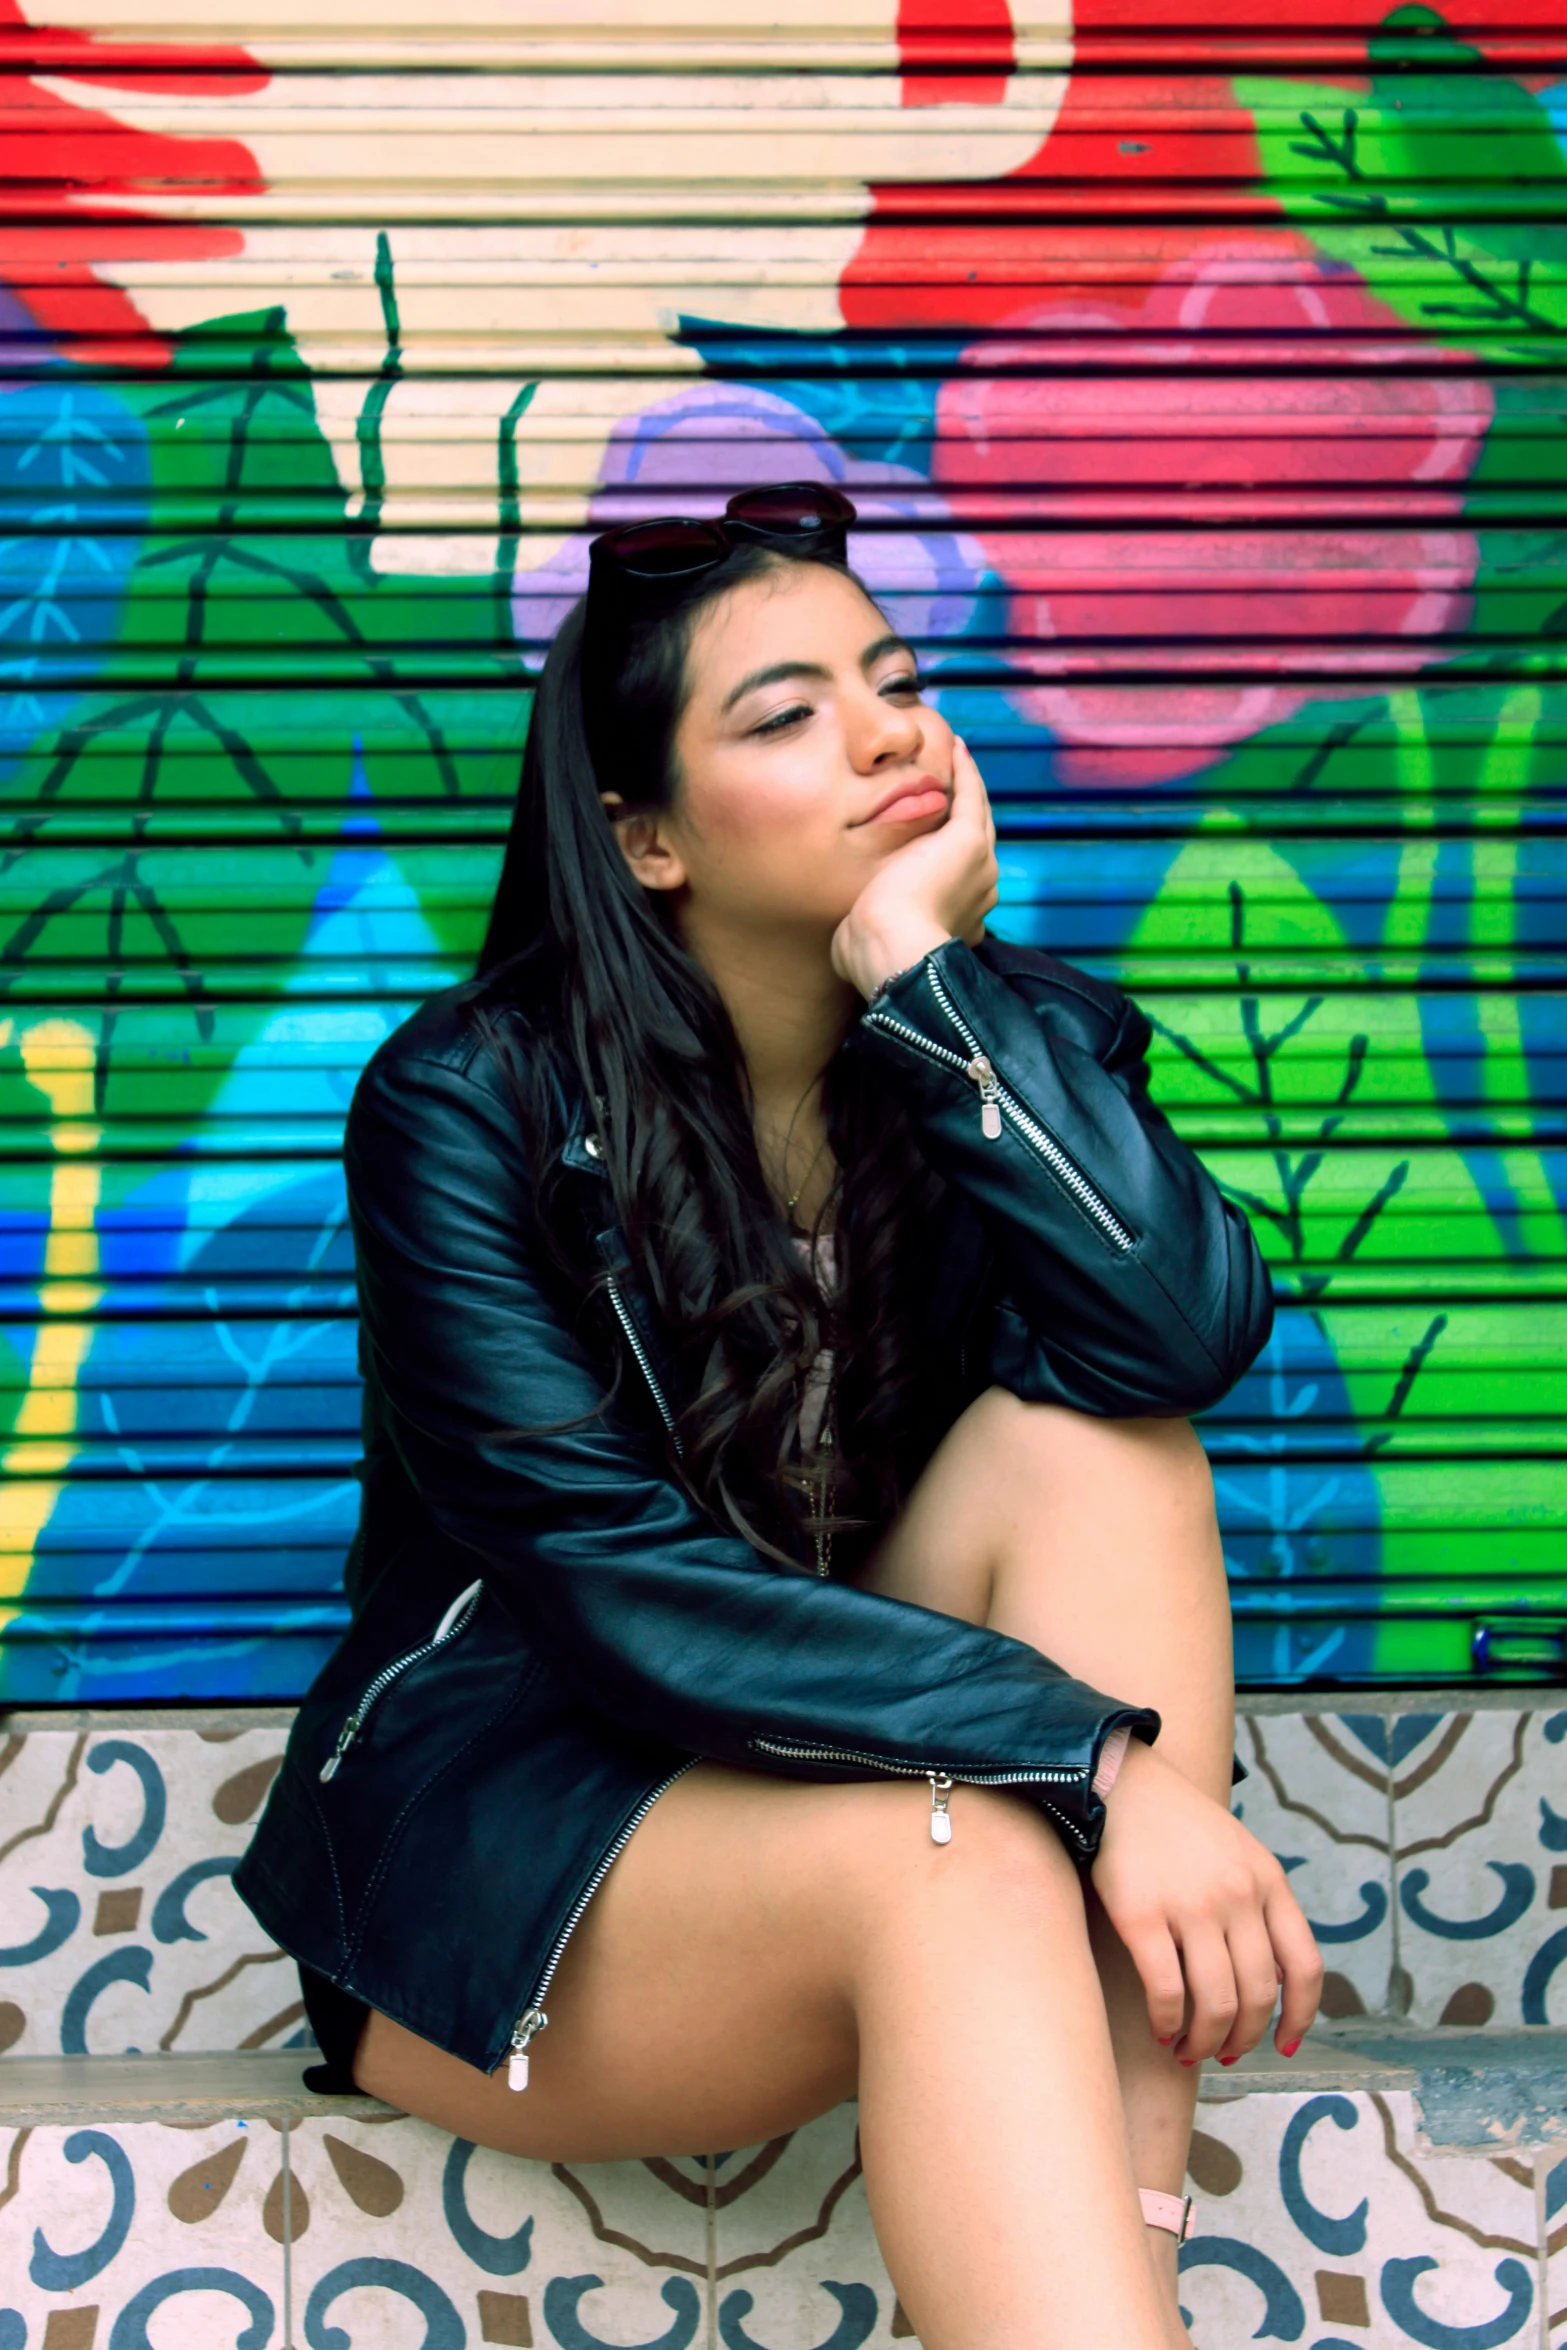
650, 20
488, 302
381, 142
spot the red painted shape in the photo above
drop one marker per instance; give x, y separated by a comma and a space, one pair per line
62, 159
1185, 135
202, 69
965, 33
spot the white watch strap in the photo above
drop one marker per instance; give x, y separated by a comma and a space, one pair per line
1177, 2213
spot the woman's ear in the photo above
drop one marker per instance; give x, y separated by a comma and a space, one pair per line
640, 834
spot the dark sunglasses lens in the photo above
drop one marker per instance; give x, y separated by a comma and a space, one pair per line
803, 506
665, 549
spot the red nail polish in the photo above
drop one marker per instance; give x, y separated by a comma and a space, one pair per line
1229, 2060
1168, 2041
1290, 2050
1186, 2060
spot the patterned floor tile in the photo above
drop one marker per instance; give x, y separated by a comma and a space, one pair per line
1318, 1797
397, 2226
1553, 2219
798, 2265
1327, 2229
1481, 1867
121, 1929
103, 2227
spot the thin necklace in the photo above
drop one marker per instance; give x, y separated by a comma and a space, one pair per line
806, 1177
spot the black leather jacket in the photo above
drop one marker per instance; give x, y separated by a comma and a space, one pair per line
546, 1632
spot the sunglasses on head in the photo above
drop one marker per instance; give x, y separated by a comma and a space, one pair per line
633, 561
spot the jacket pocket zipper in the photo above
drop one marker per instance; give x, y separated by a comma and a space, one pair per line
996, 1102
456, 1619
634, 1340
533, 2019
942, 1776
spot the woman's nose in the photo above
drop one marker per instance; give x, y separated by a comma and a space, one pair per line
883, 731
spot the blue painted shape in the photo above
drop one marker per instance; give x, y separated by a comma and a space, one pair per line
1374, 1895
1556, 2188
130, 2327
1283, 2314
169, 1922
120, 1966
562, 2296
1537, 1976
1553, 1828
1398, 2299
64, 1910
1339, 2236
1517, 1893
1556, 1728
443, 2328
1335, 2342
498, 2256
856, 2324
13, 2330
62, 2272
117, 1860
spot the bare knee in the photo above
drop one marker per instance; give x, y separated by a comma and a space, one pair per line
1004, 1873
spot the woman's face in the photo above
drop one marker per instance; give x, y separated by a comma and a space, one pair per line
804, 757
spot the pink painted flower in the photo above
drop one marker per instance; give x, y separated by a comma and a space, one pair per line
1210, 510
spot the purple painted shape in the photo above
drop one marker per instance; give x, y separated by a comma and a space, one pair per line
690, 452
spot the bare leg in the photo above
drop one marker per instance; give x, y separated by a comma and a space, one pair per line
956, 1984
1095, 1541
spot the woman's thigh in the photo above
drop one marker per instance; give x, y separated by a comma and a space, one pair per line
710, 1994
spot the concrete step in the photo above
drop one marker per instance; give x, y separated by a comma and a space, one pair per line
1388, 2187
1426, 1841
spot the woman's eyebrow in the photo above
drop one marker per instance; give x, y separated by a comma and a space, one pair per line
777, 671
772, 675
890, 643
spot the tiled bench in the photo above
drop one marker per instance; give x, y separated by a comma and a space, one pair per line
1403, 2181
1407, 2187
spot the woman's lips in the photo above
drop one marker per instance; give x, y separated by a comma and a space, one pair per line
923, 799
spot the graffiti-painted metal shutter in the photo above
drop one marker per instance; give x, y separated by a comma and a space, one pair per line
1200, 380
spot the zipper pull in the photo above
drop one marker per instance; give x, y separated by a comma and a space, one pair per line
989, 1088
940, 1796
528, 2027
345, 1739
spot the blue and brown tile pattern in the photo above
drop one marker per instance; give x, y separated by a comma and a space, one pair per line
1322, 2223
119, 1928
1429, 1849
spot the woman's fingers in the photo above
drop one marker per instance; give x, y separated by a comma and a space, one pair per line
1158, 1963
1212, 1998
1256, 1982
1294, 1946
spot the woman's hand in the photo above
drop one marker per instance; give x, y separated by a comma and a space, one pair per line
1206, 1913
940, 885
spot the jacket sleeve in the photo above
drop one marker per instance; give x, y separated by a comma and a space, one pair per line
1131, 1286
663, 1621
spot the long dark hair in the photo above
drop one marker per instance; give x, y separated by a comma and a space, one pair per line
620, 1013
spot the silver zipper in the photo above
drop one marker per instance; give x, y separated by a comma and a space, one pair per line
996, 1101
533, 2019
896, 1767
634, 1339
454, 1621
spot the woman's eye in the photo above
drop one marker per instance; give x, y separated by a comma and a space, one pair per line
904, 683
782, 718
